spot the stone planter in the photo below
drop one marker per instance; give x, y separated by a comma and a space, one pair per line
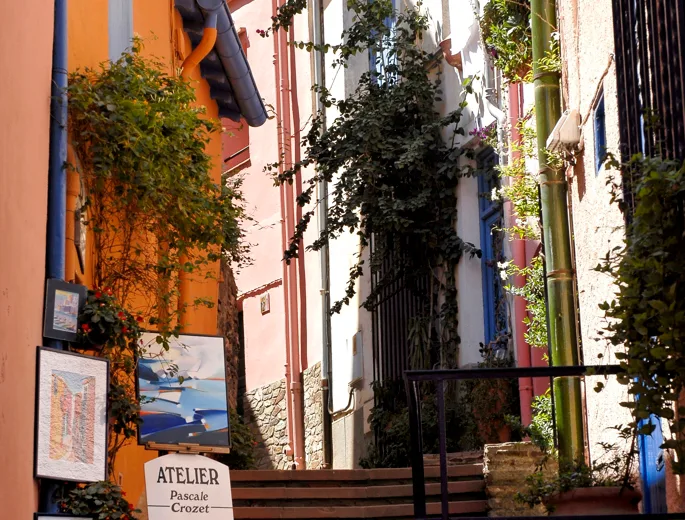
596, 501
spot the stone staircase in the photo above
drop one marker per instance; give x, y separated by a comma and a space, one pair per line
353, 494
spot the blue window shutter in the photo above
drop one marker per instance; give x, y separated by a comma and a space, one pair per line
652, 468
120, 27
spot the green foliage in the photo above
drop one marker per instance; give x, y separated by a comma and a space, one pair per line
242, 445
153, 208
541, 430
392, 173
475, 413
104, 500
505, 28
115, 334
646, 319
533, 291
615, 469
105, 322
521, 189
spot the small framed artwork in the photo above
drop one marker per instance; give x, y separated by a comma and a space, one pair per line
63, 304
183, 393
265, 303
71, 416
50, 516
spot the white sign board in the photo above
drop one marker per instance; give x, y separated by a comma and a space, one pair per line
188, 487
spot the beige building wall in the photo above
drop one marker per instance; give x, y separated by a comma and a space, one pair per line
586, 31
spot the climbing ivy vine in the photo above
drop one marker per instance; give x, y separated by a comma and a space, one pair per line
394, 165
646, 319
153, 208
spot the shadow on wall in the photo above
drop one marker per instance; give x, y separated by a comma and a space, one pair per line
265, 415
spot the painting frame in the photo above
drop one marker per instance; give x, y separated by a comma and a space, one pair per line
61, 516
50, 361
60, 319
197, 447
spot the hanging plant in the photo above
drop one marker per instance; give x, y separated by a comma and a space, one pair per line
506, 32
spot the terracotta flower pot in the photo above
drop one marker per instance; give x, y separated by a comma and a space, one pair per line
595, 500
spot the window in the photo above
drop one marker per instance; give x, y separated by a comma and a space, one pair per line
120, 27
377, 60
600, 134
491, 244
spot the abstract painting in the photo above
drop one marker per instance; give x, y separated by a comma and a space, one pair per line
63, 304
71, 437
182, 391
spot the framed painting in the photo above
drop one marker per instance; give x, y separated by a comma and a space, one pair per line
71, 416
63, 304
183, 392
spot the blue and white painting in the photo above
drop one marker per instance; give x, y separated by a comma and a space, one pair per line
182, 391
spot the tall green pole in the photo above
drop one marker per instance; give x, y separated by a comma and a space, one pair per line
563, 341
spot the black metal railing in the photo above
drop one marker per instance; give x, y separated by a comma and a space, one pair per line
649, 38
439, 378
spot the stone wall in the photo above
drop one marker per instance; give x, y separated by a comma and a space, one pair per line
313, 417
506, 467
265, 415
227, 326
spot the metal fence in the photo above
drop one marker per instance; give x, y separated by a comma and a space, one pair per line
412, 379
649, 38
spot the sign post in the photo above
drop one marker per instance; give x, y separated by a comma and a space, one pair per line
188, 487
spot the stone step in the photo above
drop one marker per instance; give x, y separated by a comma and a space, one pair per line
389, 511
351, 493
252, 478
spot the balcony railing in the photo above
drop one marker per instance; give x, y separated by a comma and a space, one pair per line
439, 378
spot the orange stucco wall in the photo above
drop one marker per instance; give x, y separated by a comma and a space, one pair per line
26, 51
157, 24
88, 41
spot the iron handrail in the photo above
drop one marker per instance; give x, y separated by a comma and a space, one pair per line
411, 377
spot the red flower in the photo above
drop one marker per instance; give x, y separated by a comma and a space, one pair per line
86, 328
121, 315
124, 330
130, 507
98, 294
139, 319
123, 493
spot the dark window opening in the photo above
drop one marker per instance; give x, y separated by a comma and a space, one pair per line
600, 134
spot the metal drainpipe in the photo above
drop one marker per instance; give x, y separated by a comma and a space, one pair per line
57, 192
561, 308
284, 233
295, 390
324, 258
519, 257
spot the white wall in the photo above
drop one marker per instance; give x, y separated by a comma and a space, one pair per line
349, 428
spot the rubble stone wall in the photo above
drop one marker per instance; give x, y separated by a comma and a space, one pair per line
313, 417
506, 467
265, 415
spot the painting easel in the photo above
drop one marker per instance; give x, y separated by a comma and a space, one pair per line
186, 447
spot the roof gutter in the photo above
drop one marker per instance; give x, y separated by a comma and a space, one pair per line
232, 57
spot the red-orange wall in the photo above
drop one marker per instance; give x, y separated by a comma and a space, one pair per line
26, 59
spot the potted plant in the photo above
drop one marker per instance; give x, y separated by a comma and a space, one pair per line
605, 488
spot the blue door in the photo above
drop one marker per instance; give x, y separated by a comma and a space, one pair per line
652, 468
